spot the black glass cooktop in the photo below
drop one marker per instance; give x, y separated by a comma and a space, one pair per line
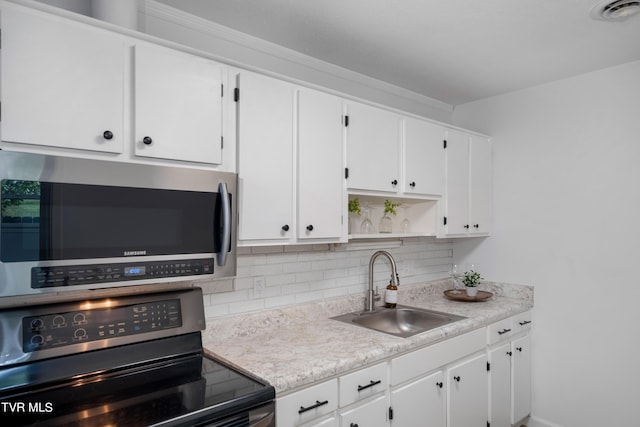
186, 389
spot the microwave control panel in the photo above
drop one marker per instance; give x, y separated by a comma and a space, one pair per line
74, 275
62, 329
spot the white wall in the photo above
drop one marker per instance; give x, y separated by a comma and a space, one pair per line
567, 220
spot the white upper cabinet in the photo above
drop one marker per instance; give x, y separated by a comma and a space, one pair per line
72, 89
456, 217
423, 158
62, 82
373, 149
320, 166
467, 207
265, 158
290, 163
178, 105
480, 185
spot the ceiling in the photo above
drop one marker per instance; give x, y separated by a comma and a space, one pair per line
455, 51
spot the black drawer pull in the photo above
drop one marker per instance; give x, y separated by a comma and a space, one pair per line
439, 384
504, 331
308, 408
371, 384
526, 322
457, 378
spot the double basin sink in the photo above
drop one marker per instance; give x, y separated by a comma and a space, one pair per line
402, 321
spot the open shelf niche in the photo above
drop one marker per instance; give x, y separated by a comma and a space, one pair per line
422, 215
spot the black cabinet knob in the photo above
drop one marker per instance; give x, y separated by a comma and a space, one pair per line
147, 140
439, 384
353, 425
466, 226
476, 225
457, 378
310, 227
509, 353
285, 227
107, 134
394, 182
412, 184
519, 349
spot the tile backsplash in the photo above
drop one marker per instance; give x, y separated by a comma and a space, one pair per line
278, 276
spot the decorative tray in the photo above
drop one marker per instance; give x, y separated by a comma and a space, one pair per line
462, 296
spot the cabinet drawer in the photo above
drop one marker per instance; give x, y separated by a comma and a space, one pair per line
427, 359
308, 404
499, 331
522, 322
363, 383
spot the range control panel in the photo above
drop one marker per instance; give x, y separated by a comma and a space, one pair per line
74, 275
62, 329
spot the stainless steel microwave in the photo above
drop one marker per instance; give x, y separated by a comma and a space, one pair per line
69, 223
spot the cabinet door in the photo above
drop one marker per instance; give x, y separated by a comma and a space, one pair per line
457, 183
521, 376
373, 137
480, 185
500, 385
423, 158
265, 158
62, 82
420, 403
178, 105
320, 166
370, 414
468, 391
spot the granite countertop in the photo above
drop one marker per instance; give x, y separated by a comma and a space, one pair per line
300, 345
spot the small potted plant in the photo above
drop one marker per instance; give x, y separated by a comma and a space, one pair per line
354, 209
385, 221
471, 280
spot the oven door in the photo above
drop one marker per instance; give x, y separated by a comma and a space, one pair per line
85, 213
263, 416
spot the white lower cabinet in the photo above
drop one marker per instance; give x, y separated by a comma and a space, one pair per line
521, 377
459, 382
444, 384
468, 395
509, 356
500, 385
420, 403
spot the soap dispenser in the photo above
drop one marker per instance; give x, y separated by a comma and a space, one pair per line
391, 295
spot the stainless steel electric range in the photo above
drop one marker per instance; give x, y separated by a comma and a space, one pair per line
130, 360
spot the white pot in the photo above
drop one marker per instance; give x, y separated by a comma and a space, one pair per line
472, 291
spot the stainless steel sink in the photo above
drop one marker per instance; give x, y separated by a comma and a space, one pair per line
402, 321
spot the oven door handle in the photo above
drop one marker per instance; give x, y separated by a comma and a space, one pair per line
221, 256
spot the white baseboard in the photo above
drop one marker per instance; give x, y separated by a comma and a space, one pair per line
538, 422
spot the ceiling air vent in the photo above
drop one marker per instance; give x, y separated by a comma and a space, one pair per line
617, 10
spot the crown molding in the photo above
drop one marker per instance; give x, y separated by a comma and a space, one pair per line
246, 41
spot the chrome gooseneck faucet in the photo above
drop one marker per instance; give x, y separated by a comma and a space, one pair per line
369, 303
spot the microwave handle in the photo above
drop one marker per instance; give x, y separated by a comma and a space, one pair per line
221, 256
